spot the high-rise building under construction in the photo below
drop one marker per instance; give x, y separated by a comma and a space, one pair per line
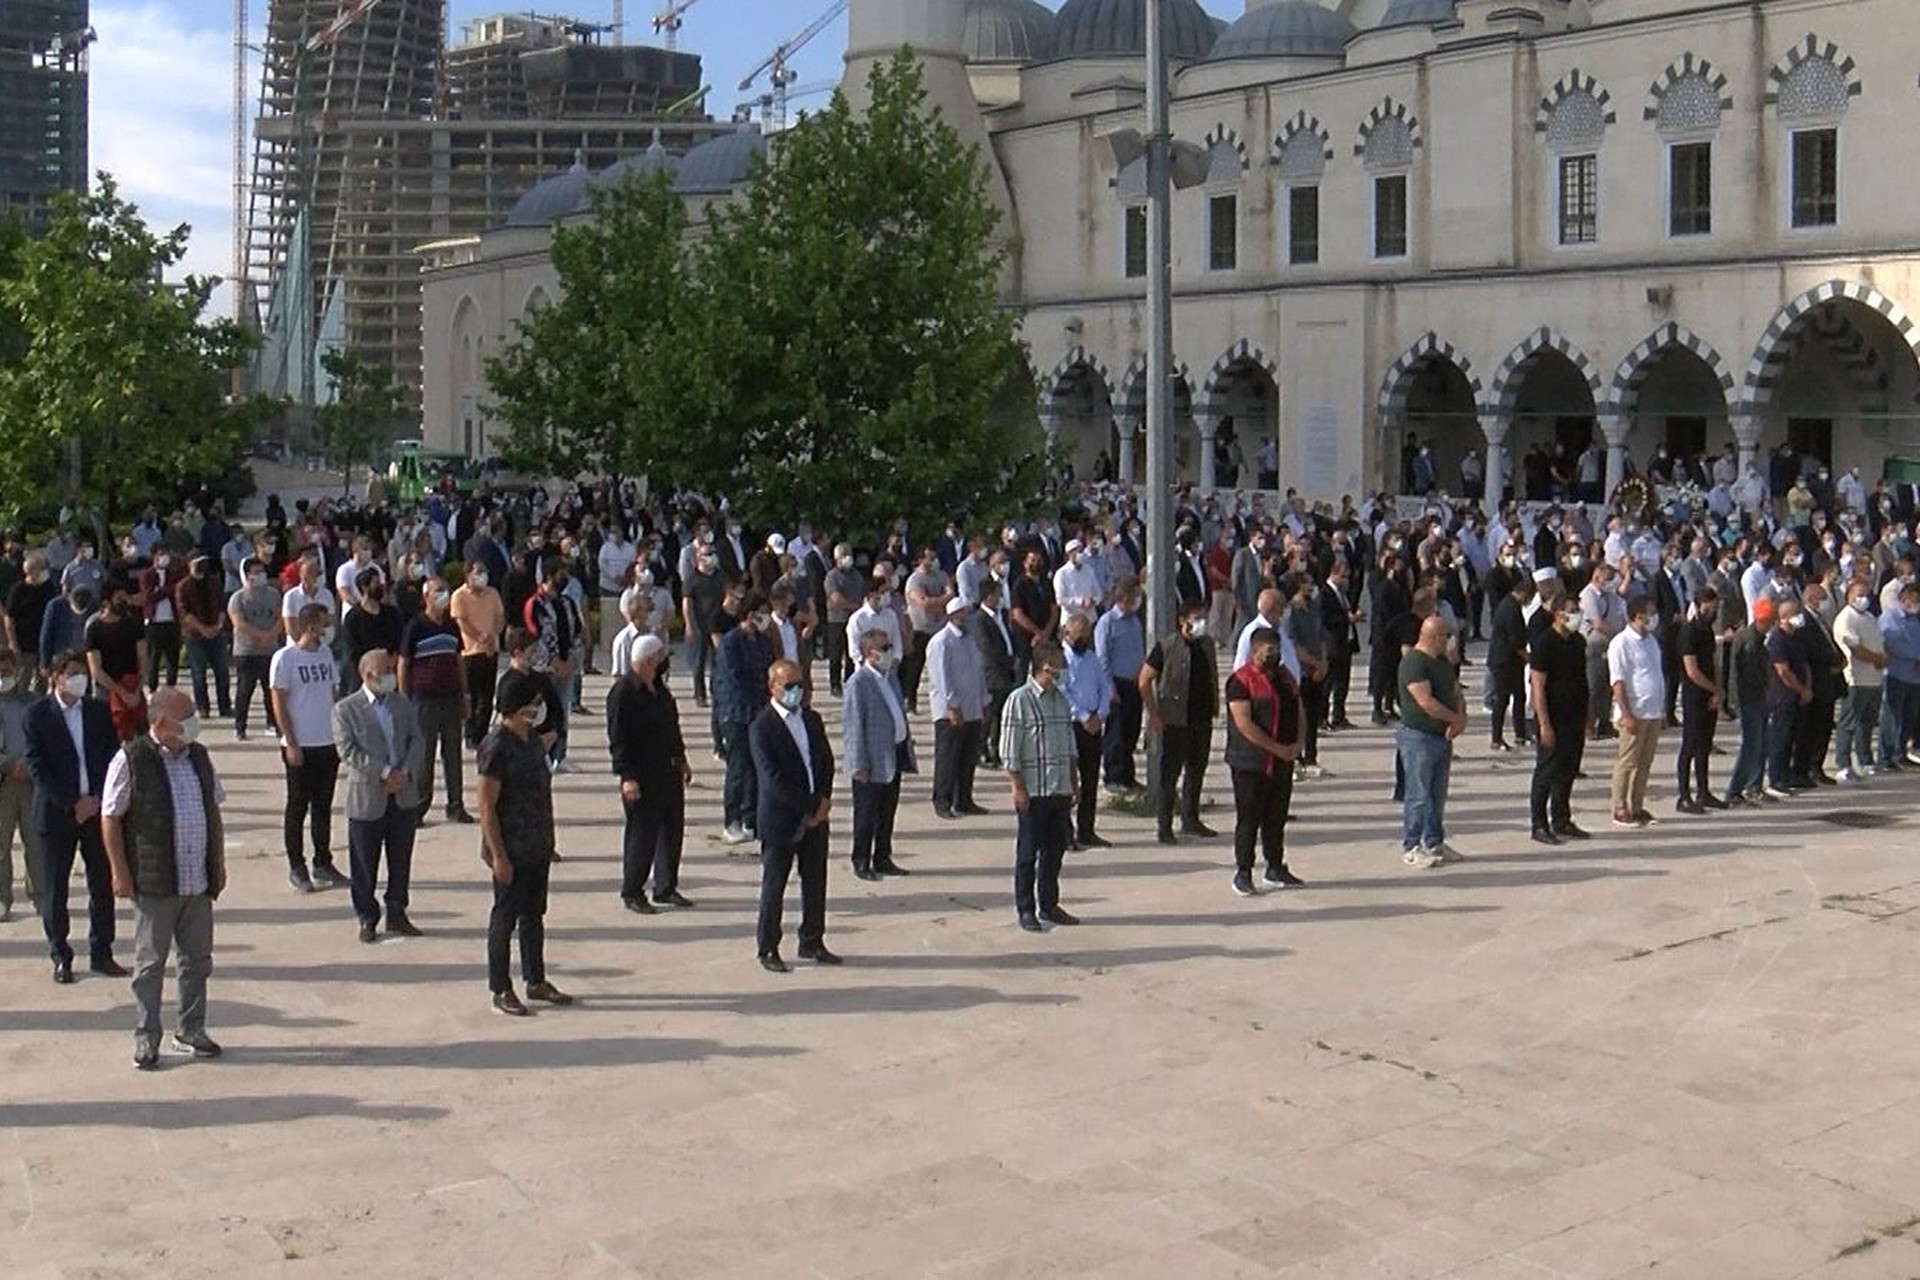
374, 138
43, 104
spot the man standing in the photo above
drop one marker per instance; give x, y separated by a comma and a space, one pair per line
478, 611
1789, 690
166, 844
929, 591
843, 589
1603, 616
1037, 751
740, 694
957, 700
1090, 698
1263, 741
516, 828
1507, 659
430, 676
1748, 678
1699, 702
1120, 640
1639, 696
1305, 631
878, 750
302, 682
1433, 714
200, 601
16, 786
254, 612
615, 566
378, 733
1180, 691
117, 657
794, 765
1342, 618
650, 759
1557, 670
1032, 609
70, 741
1857, 634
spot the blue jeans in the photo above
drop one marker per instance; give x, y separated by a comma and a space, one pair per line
209, 654
1896, 719
1753, 743
566, 688
1427, 760
1780, 726
1859, 719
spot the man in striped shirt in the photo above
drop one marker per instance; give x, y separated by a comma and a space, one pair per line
432, 676
1037, 751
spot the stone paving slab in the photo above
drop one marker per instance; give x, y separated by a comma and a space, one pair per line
1685, 1052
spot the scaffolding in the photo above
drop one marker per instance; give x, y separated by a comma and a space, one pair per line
43, 104
386, 143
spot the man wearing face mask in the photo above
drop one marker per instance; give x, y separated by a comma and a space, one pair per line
1264, 728
1603, 617
16, 786
517, 843
1900, 701
166, 845
156, 590
1789, 692
1698, 641
1090, 696
878, 749
739, 695
258, 625
957, 701
1180, 692
1557, 671
650, 759
1037, 751
70, 740
430, 676
793, 765
477, 608
199, 600
844, 589
301, 679
116, 657
1856, 633
1639, 697
380, 744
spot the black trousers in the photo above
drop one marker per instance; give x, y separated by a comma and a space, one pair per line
990, 739
482, 671
1553, 773
837, 666
163, 649
1120, 738
776, 867
391, 833
1339, 681
1313, 718
956, 758
912, 663
655, 833
1087, 750
310, 800
1041, 833
1506, 686
874, 806
520, 906
58, 848
252, 670
1812, 735
1183, 765
1260, 809
1696, 741
440, 726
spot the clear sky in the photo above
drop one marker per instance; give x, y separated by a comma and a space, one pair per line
162, 87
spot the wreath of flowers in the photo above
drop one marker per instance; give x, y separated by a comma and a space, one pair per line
1633, 499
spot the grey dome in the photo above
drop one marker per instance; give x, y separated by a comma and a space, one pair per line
655, 159
1008, 31
1287, 29
552, 199
720, 163
1090, 28
1407, 13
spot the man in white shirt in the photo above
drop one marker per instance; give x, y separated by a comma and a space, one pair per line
877, 614
302, 680
1076, 587
1269, 611
1639, 701
1856, 632
1603, 616
957, 700
347, 579
615, 562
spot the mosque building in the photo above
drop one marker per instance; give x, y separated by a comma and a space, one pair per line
1496, 225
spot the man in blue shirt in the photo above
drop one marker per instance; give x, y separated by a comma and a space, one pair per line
1900, 632
1090, 696
1120, 641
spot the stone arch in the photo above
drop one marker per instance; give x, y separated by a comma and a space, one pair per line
1076, 407
1222, 136
1238, 409
1507, 379
1777, 344
1398, 384
538, 299
1688, 67
1627, 379
1572, 83
1133, 387
1303, 123
466, 353
1240, 353
1388, 109
1812, 49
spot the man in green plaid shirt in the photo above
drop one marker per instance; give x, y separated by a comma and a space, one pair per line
1037, 751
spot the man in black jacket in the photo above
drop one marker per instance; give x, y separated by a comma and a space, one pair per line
650, 759
70, 740
993, 636
1507, 664
794, 769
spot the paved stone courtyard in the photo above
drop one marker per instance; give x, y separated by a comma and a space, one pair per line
1690, 1051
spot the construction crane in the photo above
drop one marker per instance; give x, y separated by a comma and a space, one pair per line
780, 76
667, 22
694, 99
765, 103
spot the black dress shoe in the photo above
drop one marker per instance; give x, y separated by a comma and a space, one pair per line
639, 906
1167, 837
941, 811
1572, 832
772, 963
1200, 829
673, 898
1711, 801
1687, 804
865, 873
110, 968
1032, 924
367, 934
461, 816
891, 869
819, 954
1097, 842
1060, 915
403, 926
63, 972
971, 810
1542, 835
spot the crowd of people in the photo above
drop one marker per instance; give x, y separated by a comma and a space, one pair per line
387, 642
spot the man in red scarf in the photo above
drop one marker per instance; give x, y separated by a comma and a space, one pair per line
1263, 741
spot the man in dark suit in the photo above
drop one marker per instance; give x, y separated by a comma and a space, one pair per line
994, 638
794, 767
1340, 614
70, 743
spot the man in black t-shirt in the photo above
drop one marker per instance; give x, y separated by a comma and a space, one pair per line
117, 656
1557, 670
516, 825
27, 606
1699, 643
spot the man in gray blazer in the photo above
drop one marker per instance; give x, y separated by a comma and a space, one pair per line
378, 734
878, 749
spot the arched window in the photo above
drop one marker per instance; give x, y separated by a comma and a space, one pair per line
1388, 158
1302, 163
1688, 117
1811, 90
1226, 167
1575, 129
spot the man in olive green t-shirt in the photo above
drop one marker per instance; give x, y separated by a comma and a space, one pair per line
1432, 715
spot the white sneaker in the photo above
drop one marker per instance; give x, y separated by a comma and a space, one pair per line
1446, 853
1847, 778
1421, 858
1312, 772
1774, 793
1913, 757
733, 835
566, 766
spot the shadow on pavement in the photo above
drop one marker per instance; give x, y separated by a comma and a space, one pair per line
207, 1113
221, 1013
504, 1055
799, 998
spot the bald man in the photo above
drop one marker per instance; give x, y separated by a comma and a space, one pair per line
1433, 714
160, 819
793, 766
383, 751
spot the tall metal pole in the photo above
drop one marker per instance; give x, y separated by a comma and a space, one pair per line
1161, 600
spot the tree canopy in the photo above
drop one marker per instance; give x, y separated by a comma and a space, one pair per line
830, 347
365, 409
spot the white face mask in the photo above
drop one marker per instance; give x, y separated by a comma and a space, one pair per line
1198, 630
190, 730
75, 685
478, 577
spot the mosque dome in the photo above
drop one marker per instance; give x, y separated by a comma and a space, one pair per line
1407, 13
655, 159
552, 199
720, 163
1008, 31
1091, 28
1287, 29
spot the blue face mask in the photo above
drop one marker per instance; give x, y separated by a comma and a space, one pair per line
792, 697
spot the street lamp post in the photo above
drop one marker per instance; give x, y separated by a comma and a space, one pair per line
1161, 598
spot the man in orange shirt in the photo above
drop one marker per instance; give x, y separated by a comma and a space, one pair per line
481, 615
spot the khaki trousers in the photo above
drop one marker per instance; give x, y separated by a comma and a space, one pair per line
16, 797
1634, 766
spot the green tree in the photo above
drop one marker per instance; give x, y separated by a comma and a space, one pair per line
366, 407
599, 382
854, 341
115, 381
